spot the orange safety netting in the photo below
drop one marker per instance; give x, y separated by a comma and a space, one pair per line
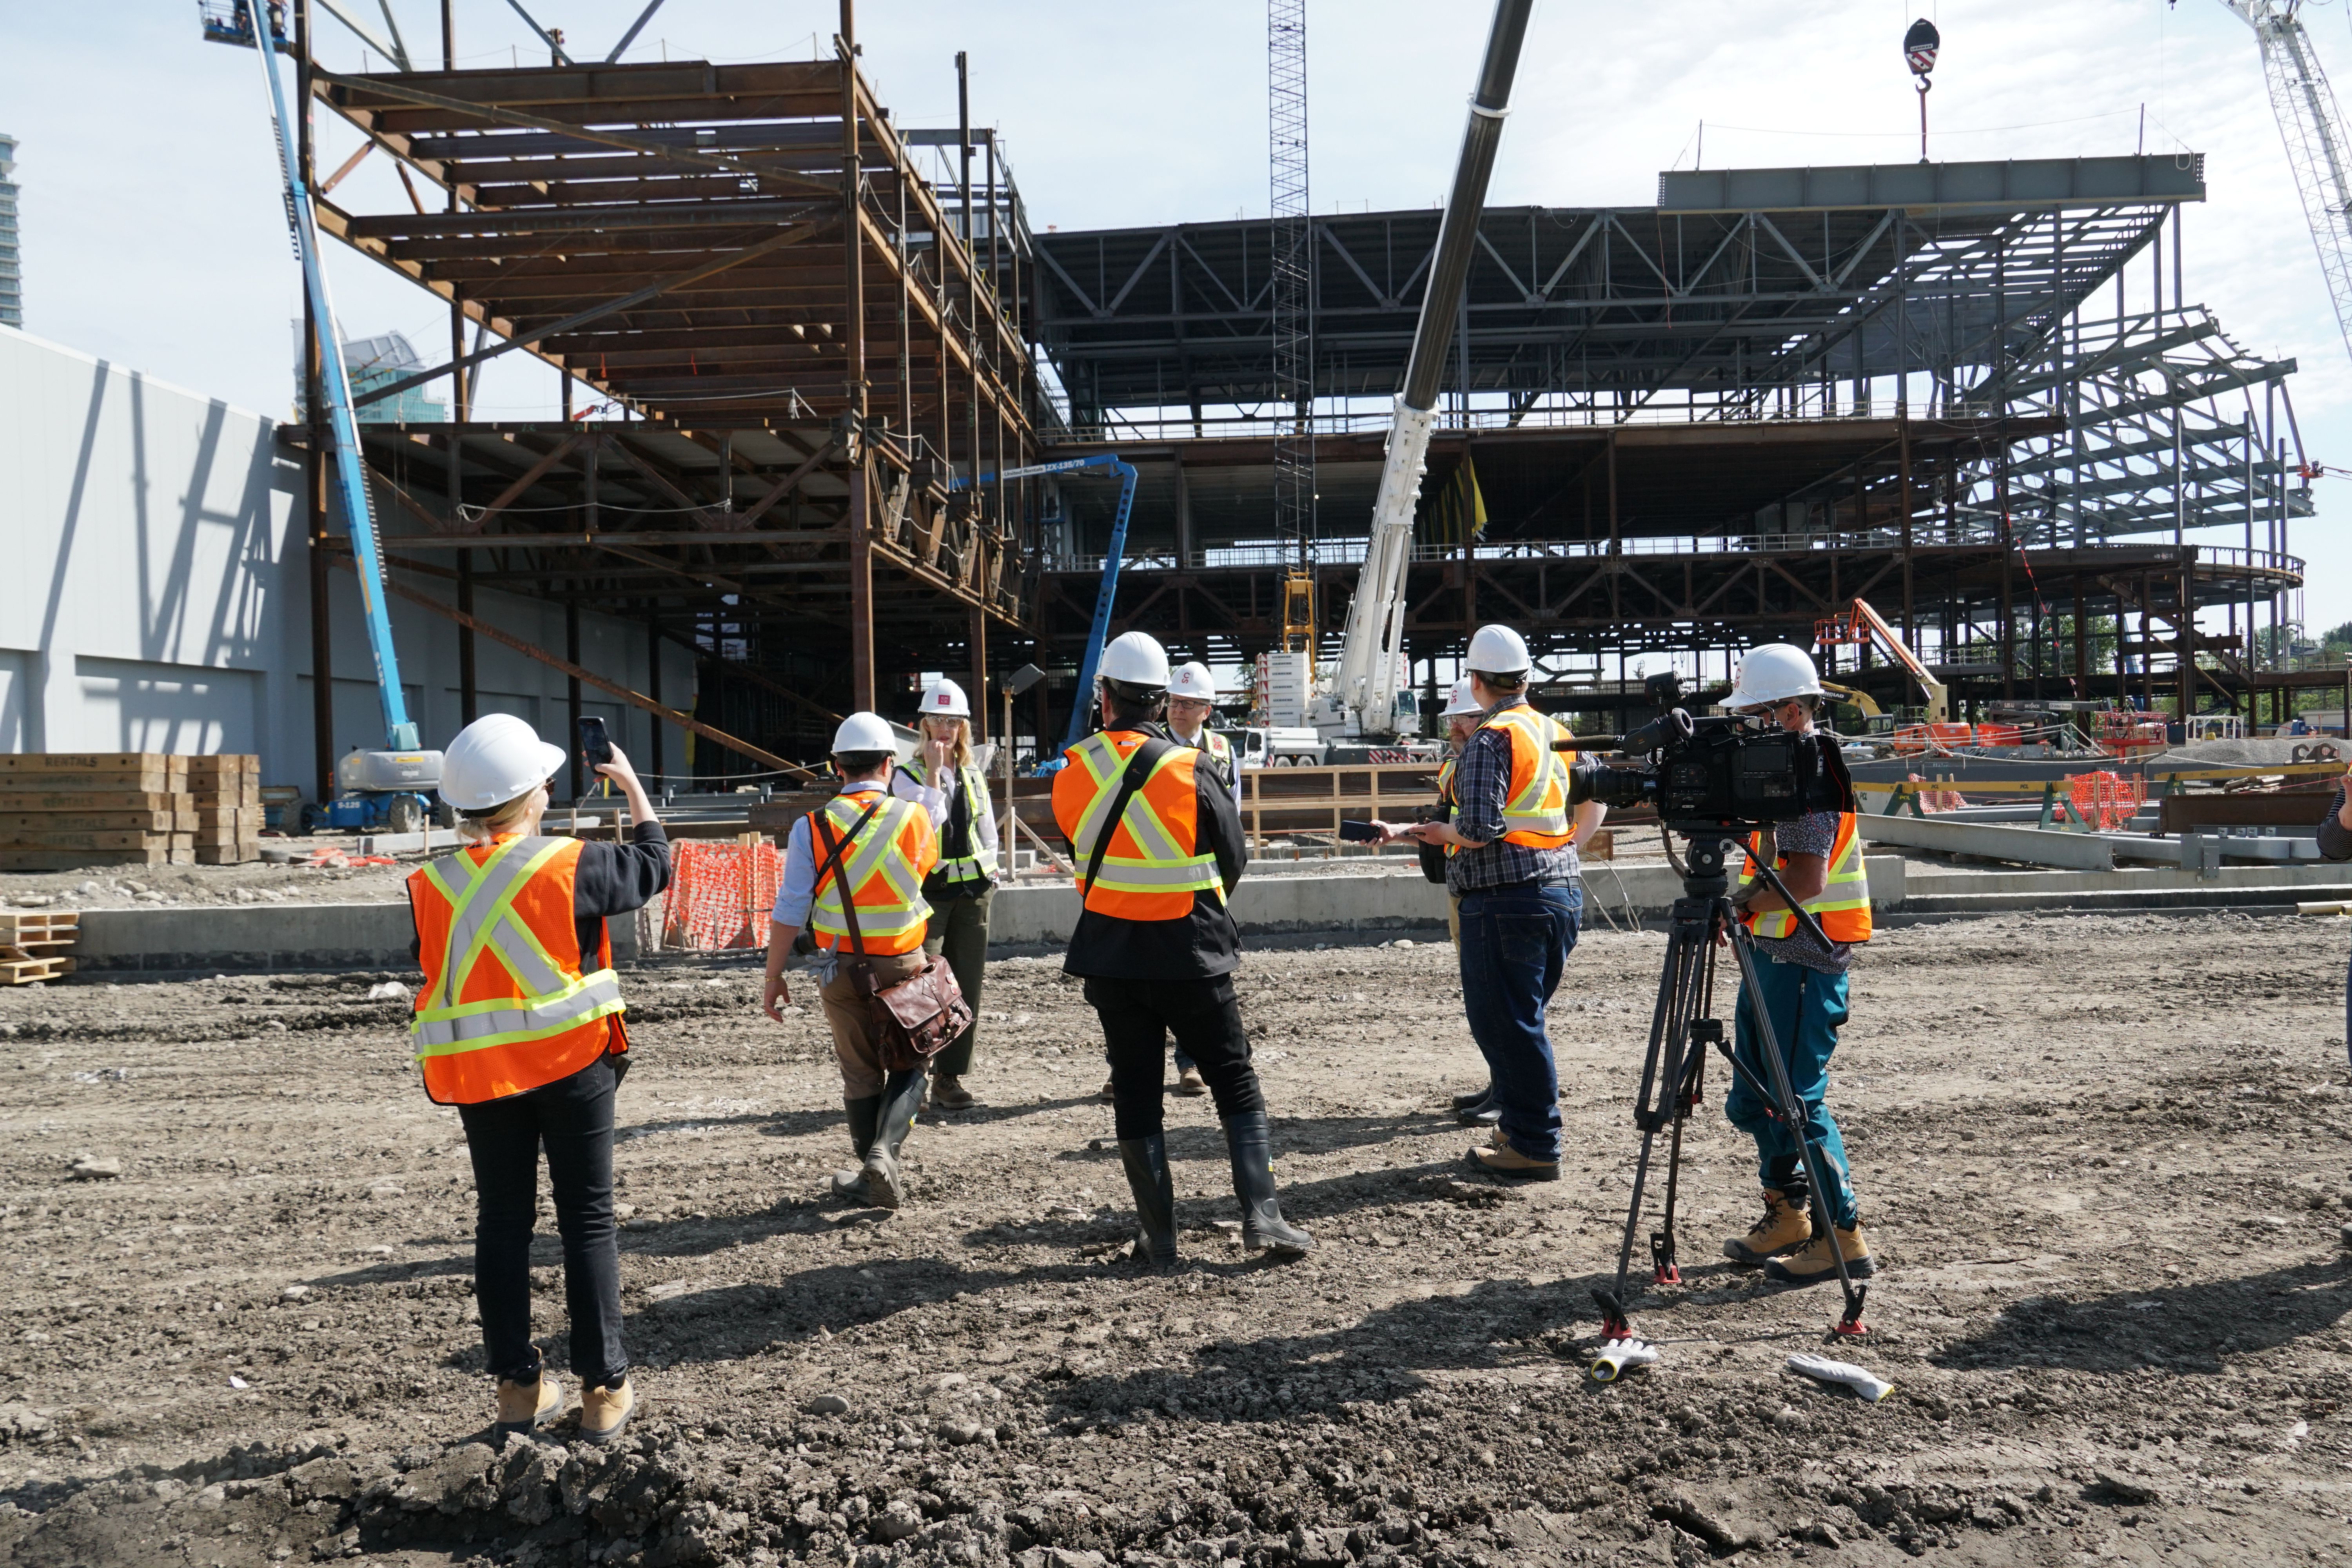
1932, 800
721, 894
2105, 801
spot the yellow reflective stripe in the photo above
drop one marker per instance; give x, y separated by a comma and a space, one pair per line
1531, 810
507, 1021
1094, 753
1845, 889
499, 909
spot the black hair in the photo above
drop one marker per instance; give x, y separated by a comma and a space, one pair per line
857, 764
1123, 701
1512, 680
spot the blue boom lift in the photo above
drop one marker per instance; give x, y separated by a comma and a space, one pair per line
385, 789
1100, 631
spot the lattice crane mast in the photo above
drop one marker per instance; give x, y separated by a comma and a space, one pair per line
2312, 127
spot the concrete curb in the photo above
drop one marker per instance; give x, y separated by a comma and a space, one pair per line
270, 937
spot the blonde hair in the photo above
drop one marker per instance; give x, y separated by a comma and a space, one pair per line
962, 757
481, 827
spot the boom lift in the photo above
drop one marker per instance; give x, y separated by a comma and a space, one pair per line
1100, 631
1362, 698
373, 788
1861, 626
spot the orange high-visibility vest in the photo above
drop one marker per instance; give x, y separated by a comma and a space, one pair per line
1535, 811
1153, 865
887, 864
509, 1001
1842, 906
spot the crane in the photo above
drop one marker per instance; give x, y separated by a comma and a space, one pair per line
2313, 128
1860, 625
1100, 630
1365, 688
373, 787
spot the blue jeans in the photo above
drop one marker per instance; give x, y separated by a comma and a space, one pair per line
1806, 1007
1515, 941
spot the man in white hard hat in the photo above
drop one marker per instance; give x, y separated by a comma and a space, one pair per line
881, 846
1158, 846
519, 1024
1514, 866
1803, 985
963, 885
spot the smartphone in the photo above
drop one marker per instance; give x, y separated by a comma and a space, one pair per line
1358, 832
595, 744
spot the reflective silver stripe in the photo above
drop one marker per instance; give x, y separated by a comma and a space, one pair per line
876, 854
1150, 834
1096, 753
521, 957
483, 887
1119, 876
603, 990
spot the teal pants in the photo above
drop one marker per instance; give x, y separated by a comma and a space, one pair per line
1806, 1007
959, 933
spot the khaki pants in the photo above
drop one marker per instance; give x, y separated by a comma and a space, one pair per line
959, 933
847, 1013
1454, 918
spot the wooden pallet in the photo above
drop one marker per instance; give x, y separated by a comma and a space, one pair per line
76, 859
60, 928
20, 968
37, 947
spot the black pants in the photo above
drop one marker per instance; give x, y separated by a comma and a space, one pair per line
1205, 1016
573, 1119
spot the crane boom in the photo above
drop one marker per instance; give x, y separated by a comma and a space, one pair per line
1366, 684
2312, 126
1861, 625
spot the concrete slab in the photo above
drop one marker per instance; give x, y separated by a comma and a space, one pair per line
206, 939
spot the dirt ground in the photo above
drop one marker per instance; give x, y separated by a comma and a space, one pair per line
2104, 1159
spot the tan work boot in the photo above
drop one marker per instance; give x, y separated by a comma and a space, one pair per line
1106, 1096
1504, 1161
948, 1092
603, 1411
1784, 1227
1190, 1081
527, 1407
1813, 1264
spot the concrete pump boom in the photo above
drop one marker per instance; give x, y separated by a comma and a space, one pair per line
1366, 684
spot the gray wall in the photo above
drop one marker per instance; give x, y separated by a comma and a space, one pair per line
157, 591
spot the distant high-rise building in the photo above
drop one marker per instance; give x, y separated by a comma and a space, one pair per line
11, 286
370, 362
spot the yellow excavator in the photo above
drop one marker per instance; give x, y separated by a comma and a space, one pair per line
1863, 626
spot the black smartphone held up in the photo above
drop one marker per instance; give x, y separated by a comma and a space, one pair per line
1358, 832
595, 744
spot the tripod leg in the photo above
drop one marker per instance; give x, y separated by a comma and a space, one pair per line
1688, 969
1783, 1096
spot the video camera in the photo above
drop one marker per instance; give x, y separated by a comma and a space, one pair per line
1719, 774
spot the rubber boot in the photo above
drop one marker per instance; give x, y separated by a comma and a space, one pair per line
1474, 1098
1263, 1226
885, 1186
1787, 1224
864, 1115
1146, 1160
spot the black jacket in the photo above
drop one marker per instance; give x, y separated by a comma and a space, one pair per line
1201, 946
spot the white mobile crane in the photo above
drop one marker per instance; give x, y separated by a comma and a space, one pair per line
1362, 698
2313, 128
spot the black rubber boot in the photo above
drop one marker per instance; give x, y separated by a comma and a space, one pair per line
1146, 1160
901, 1093
1485, 1113
1474, 1099
1263, 1226
865, 1115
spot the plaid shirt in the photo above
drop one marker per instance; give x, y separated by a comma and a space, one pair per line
1482, 782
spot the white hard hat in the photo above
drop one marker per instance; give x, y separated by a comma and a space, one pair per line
1136, 658
1774, 672
494, 760
1459, 703
1194, 680
946, 699
864, 732
1499, 650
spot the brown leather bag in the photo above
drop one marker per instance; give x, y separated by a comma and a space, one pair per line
919, 1016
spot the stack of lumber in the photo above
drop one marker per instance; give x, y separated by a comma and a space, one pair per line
61, 810
37, 947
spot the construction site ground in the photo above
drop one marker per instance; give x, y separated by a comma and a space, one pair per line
2104, 1161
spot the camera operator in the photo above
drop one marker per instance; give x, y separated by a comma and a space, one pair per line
1803, 987
1513, 866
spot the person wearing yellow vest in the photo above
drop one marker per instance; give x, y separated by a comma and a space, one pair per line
518, 1024
963, 885
883, 845
1513, 866
1158, 845
1801, 987
1191, 703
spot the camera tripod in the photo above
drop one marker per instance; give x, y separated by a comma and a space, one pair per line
1682, 1027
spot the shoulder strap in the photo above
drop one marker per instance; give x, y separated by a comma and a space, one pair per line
832, 863
1139, 770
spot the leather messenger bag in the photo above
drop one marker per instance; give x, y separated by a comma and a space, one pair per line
919, 1016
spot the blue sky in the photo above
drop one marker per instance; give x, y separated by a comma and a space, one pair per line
152, 235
